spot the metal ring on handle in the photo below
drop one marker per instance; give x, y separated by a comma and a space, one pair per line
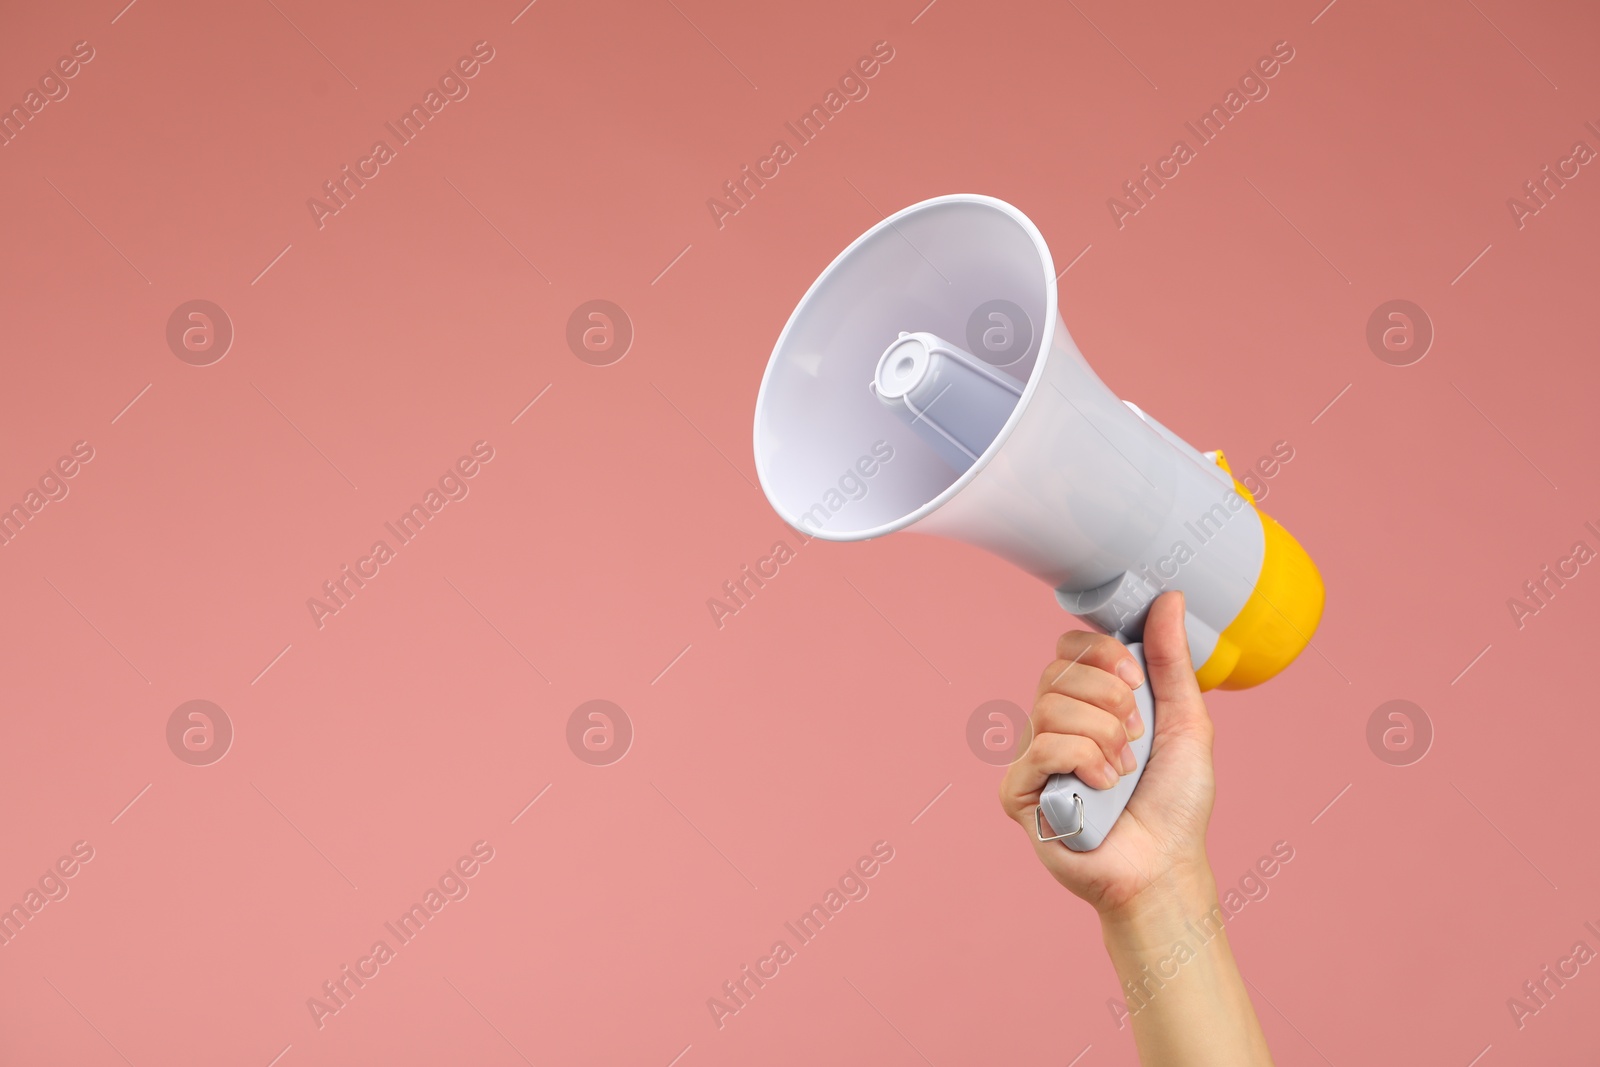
1038, 825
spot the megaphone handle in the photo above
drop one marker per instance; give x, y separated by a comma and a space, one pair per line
1080, 816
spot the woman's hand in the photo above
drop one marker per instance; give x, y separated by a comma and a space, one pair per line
1083, 716
1150, 879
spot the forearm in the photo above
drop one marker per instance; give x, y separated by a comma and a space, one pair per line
1185, 998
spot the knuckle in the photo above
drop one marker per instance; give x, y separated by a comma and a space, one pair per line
1043, 750
1107, 648
1083, 751
1109, 732
1047, 677
1101, 643
1070, 640
1108, 693
1041, 743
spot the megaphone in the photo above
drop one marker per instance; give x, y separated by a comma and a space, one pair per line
926, 382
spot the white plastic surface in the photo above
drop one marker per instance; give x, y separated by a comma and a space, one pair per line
1076, 488
1095, 498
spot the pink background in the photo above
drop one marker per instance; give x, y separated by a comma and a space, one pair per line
771, 753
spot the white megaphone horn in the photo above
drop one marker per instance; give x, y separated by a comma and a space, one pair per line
935, 340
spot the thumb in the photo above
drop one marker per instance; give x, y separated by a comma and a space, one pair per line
1166, 654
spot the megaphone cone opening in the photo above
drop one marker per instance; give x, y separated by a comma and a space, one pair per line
834, 459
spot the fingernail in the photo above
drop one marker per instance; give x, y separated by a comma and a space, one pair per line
1111, 776
1129, 672
1128, 762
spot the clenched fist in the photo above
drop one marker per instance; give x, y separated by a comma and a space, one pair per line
1083, 717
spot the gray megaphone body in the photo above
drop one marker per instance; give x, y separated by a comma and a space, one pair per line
937, 334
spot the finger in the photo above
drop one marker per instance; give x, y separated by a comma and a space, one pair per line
1050, 754
1054, 754
1172, 678
1057, 714
1094, 650
1100, 688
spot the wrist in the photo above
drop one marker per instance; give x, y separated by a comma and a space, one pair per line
1180, 898
1181, 988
